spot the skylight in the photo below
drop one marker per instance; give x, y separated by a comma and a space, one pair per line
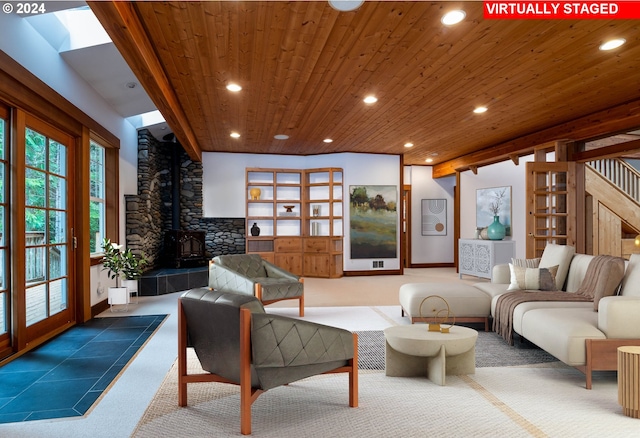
70, 29
84, 28
146, 119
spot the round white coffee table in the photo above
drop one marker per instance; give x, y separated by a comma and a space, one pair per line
412, 350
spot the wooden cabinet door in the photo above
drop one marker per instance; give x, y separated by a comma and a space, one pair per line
291, 262
317, 265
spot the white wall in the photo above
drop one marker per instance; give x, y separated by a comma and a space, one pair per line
430, 249
22, 43
505, 173
224, 185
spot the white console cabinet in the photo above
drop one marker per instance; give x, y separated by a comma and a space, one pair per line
477, 257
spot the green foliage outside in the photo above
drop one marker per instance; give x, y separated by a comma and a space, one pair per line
96, 191
35, 155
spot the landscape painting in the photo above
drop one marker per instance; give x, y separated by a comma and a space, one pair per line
373, 221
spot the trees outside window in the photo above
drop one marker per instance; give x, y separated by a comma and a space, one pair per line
97, 195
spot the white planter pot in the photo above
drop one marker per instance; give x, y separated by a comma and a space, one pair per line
117, 295
132, 288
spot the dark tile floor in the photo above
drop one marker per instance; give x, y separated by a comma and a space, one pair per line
65, 376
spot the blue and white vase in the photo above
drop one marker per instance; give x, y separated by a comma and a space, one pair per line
496, 231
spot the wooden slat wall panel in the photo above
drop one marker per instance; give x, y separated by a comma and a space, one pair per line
609, 232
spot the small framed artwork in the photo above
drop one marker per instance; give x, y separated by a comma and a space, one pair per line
494, 201
434, 217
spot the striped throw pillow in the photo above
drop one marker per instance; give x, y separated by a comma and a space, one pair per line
526, 263
532, 278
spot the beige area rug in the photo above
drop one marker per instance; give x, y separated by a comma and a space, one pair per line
533, 401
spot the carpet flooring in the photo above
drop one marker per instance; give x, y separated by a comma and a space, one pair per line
544, 400
491, 351
67, 375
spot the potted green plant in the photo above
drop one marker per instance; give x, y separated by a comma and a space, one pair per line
124, 266
132, 269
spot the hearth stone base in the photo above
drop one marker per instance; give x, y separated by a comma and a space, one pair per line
170, 280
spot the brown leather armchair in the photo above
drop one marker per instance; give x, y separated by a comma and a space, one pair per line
237, 342
251, 274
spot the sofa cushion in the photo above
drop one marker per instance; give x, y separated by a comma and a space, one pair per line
602, 278
557, 255
532, 278
522, 309
562, 332
577, 271
526, 263
618, 317
631, 281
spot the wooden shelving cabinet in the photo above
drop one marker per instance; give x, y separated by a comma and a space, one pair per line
299, 213
323, 222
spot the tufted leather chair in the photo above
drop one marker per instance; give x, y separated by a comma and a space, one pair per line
252, 275
237, 342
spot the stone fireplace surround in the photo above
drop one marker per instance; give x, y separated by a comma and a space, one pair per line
149, 212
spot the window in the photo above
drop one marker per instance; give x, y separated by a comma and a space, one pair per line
97, 197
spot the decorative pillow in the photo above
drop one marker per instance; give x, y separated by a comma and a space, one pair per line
602, 278
526, 263
631, 281
532, 278
559, 255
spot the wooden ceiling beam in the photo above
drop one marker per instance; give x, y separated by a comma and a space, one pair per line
612, 151
618, 119
123, 25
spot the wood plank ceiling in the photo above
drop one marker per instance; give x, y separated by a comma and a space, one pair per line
305, 69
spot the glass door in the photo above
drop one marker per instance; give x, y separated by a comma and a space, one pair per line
551, 205
48, 239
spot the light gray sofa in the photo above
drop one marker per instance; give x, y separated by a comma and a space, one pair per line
574, 332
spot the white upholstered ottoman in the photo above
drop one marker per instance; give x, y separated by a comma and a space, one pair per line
467, 303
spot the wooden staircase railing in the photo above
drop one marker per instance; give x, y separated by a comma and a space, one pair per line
615, 188
621, 174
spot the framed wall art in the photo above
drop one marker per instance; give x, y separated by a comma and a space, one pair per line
434, 217
494, 201
373, 221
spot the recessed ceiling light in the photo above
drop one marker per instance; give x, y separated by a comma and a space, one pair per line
327, 140
235, 135
345, 5
408, 145
612, 44
234, 87
370, 99
453, 17
281, 136
480, 110
429, 160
